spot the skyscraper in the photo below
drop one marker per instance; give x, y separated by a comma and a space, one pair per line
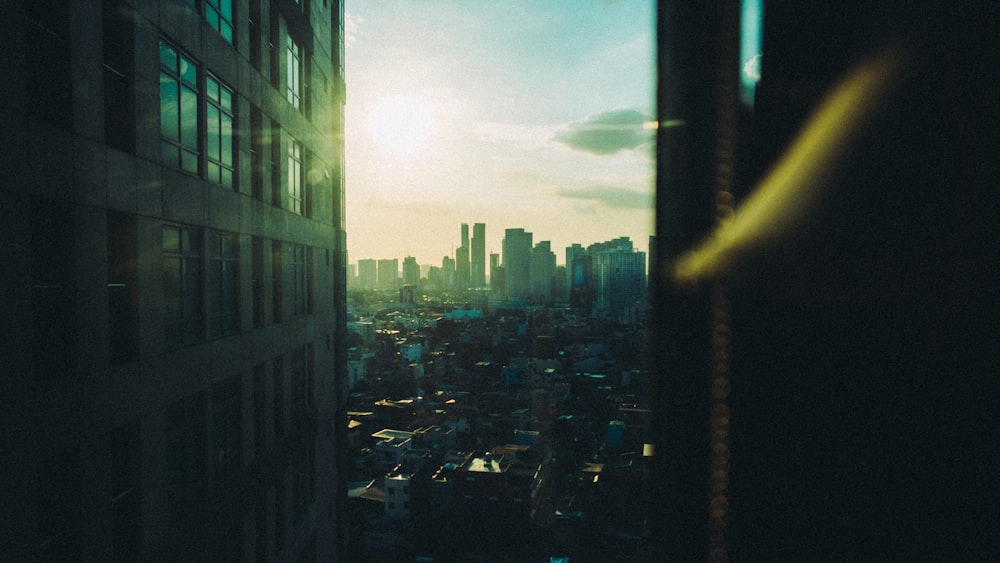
388, 273
517, 262
478, 265
462, 273
173, 286
543, 267
367, 273
411, 271
619, 280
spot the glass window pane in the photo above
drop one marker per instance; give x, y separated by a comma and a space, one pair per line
189, 162
189, 72
192, 242
227, 32
168, 56
226, 7
229, 247
168, 107
212, 88
212, 121
171, 239
215, 287
189, 118
172, 288
212, 17
213, 173
169, 153
226, 99
227, 140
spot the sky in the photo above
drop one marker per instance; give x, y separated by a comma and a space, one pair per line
517, 114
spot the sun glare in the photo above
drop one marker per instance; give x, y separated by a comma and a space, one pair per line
400, 124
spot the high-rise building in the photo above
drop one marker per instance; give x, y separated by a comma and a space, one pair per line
478, 264
388, 273
543, 267
173, 280
619, 280
462, 272
367, 273
447, 272
517, 262
411, 271
496, 273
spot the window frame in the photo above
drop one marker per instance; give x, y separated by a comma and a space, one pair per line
294, 71
177, 140
222, 102
294, 184
188, 328
224, 270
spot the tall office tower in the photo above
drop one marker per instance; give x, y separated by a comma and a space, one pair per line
172, 281
367, 273
619, 280
543, 267
496, 280
447, 272
577, 274
388, 273
517, 262
411, 271
478, 264
462, 273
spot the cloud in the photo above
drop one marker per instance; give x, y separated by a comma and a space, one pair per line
351, 24
608, 132
608, 196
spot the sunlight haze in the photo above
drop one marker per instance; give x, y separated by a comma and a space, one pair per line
531, 115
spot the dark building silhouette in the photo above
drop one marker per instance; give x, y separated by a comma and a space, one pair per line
478, 264
173, 296
825, 383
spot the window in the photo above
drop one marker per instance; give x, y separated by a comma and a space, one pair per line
293, 72
181, 119
300, 385
257, 155
296, 280
182, 295
219, 14
294, 183
219, 132
223, 284
178, 109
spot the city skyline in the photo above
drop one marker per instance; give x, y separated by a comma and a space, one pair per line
531, 114
559, 250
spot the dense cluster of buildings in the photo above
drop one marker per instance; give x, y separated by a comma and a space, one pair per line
173, 280
521, 424
609, 277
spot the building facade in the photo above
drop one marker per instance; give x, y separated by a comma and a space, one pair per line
174, 300
517, 262
478, 265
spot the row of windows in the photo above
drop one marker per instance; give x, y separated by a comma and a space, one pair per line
201, 283
192, 101
218, 14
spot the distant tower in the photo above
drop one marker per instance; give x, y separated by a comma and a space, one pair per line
496, 273
517, 262
447, 272
543, 267
619, 280
411, 271
462, 277
388, 273
367, 273
478, 265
